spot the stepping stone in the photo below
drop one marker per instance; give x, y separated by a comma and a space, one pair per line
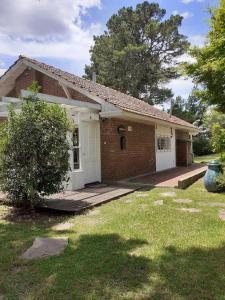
168, 194
214, 204
222, 214
62, 226
129, 201
191, 210
43, 247
158, 202
182, 200
142, 195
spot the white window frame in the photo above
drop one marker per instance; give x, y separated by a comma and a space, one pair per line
76, 148
165, 146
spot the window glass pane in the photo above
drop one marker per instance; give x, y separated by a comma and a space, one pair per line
76, 137
76, 163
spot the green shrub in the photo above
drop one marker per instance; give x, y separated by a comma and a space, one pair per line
34, 152
220, 181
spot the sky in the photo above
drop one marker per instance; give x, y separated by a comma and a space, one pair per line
60, 32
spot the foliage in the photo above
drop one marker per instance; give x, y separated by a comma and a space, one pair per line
220, 181
201, 145
209, 68
136, 54
34, 157
190, 110
218, 138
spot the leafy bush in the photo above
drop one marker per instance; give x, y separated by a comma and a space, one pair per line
34, 157
201, 145
220, 181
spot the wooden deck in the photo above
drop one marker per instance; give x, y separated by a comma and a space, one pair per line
77, 201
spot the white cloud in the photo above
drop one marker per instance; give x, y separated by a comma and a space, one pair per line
197, 40
185, 14
189, 1
2, 71
181, 87
47, 28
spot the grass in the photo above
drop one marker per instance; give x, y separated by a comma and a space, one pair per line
126, 249
206, 158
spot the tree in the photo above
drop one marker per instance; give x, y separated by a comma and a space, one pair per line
206, 141
136, 54
209, 69
34, 157
190, 110
218, 139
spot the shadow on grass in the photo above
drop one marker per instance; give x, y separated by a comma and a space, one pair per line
195, 273
102, 266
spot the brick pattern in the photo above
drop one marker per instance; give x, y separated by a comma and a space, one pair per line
48, 85
139, 156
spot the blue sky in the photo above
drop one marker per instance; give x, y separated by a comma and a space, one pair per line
60, 32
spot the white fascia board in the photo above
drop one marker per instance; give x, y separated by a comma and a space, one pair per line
147, 119
4, 114
62, 100
11, 100
112, 114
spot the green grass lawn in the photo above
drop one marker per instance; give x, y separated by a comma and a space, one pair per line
126, 249
206, 158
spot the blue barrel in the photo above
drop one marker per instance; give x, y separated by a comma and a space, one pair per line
214, 170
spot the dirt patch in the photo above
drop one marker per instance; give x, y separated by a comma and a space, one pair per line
43, 247
21, 215
94, 212
63, 226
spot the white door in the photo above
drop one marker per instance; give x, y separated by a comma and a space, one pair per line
91, 152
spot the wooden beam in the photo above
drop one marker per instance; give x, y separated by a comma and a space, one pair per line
62, 100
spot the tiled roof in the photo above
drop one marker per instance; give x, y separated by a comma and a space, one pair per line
120, 100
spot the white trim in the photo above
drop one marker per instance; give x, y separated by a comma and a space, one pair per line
62, 100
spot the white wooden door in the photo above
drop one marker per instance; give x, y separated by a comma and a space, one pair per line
91, 152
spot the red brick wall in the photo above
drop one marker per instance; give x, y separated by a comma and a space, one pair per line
139, 156
48, 85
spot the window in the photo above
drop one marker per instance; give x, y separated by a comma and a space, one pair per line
76, 149
163, 144
123, 143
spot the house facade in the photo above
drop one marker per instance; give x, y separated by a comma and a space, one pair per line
115, 136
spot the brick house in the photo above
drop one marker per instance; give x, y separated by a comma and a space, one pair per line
117, 136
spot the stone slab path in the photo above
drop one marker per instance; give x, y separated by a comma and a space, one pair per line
191, 210
222, 214
168, 194
182, 200
43, 247
158, 202
213, 204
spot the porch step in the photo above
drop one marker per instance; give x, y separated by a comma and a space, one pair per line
189, 178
